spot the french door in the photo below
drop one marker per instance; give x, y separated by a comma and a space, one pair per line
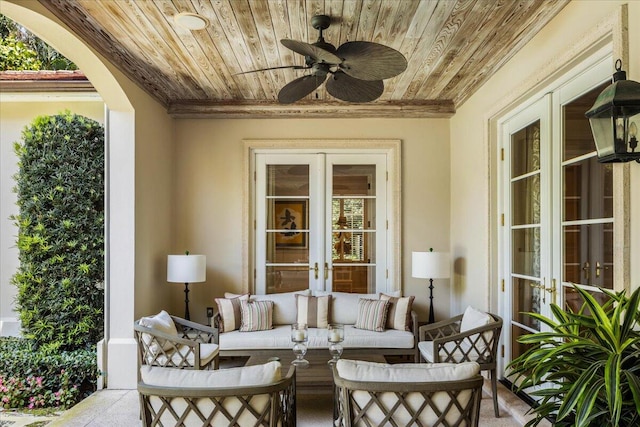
321, 222
527, 222
558, 206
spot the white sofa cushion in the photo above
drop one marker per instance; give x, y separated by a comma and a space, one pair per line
161, 322
343, 306
220, 378
408, 373
280, 338
284, 305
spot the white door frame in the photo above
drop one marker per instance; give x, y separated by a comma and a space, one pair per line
390, 147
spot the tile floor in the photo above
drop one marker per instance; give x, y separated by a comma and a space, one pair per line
111, 408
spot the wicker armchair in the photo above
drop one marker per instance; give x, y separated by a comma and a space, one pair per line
170, 399
182, 344
425, 395
444, 342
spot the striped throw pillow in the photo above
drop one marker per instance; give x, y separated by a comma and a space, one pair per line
229, 311
313, 311
256, 315
399, 312
372, 314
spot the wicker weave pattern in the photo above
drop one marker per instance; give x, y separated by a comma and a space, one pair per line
160, 349
475, 345
256, 406
377, 404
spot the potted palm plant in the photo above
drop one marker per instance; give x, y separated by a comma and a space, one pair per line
586, 369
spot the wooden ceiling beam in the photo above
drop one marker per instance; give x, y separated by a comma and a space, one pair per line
324, 109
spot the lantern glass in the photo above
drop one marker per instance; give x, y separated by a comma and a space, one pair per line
602, 129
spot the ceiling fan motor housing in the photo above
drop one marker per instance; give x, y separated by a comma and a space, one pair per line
320, 69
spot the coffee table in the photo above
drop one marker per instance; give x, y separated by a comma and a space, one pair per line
317, 378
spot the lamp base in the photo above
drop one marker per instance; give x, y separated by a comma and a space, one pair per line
431, 317
186, 301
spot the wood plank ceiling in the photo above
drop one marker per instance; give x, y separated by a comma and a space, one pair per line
452, 47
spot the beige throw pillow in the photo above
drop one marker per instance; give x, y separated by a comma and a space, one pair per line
372, 314
256, 316
229, 310
313, 311
399, 313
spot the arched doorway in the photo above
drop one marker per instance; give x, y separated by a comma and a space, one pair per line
117, 353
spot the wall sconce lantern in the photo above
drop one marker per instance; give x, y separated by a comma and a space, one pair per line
614, 119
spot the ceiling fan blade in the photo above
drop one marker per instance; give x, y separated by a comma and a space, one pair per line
295, 67
347, 88
315, 52
299, 88
370, 61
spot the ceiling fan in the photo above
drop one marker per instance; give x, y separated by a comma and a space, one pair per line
356, 68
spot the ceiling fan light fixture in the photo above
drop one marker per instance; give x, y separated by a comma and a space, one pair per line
191, 21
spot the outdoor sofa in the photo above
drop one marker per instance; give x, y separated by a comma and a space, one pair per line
398, 335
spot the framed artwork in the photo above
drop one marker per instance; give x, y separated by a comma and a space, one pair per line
291, 215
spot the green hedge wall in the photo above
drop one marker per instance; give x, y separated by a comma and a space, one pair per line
60, 188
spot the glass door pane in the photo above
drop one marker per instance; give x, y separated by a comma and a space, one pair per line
287, 232
526, 259
353, 234
587, 194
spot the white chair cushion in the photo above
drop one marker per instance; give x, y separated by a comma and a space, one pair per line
248, 376
161, 322
405, 373
244, 376
358, 370
473, 318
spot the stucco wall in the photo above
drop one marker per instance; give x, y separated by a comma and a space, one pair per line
15, 116
471, 179
209, 189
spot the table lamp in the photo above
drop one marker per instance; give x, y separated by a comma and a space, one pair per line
430, 265
186, 269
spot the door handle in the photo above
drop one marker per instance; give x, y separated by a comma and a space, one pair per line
586, 270
315, 270
542, 288
599, 268
326, 271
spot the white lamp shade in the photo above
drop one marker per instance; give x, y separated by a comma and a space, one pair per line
430, 265
186, 268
